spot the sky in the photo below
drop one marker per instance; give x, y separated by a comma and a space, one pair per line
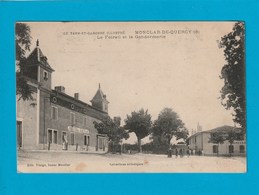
179, 68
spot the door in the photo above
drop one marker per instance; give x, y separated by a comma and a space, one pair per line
19, 134
231, 149
49, 136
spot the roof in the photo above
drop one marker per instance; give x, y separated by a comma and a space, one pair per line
222, 129
99, 96
82, 106
36, 57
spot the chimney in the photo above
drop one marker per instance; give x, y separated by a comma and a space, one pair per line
76, 96
60, 89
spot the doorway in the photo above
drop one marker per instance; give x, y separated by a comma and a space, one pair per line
19, 134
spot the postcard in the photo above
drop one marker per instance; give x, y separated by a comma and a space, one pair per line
130, 97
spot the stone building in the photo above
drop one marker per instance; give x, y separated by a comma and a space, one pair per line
200, 144
55, 120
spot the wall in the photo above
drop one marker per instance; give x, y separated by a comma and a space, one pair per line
63, 122
27, 113
223, 148
196, 142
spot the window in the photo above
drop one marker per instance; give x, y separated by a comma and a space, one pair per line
49, 136
19, 133
64, 137
215, 148
231, 149
46, 76
242, 149
54, 99
85, 121
54, 113
72, 138
86, 140
72, 118
52, 136
101, 143
55, 137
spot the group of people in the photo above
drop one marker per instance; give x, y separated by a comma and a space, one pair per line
178, 152
181, 152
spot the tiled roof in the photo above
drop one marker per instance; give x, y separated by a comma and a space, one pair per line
99, 96
222, 129
36, 57
66, 100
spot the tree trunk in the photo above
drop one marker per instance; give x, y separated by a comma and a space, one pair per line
139, 145
218, 151
230, 152
169, 140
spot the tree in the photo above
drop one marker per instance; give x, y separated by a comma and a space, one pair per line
217, 138
233, 73
139, 123
167, 125
112, 129
231, 137
23, 42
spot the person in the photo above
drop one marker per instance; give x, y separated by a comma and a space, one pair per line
188, 153
176, 153
181, 153
170, 152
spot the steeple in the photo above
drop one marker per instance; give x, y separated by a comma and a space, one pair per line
99, 100
199, 127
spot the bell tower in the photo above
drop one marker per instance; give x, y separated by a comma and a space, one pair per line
99, 101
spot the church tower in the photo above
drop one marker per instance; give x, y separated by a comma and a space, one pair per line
99, 101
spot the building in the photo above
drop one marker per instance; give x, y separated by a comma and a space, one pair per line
55, 120
199, 143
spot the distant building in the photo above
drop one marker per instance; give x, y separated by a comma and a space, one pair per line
199, 143
199, 128
54, 118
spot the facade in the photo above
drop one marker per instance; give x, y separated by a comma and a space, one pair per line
200, 144
55, 120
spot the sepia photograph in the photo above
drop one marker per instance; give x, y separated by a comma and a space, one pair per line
131, 97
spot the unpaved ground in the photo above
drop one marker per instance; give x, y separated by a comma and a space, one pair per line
76, 162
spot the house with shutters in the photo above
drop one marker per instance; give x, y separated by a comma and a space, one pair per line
200, 142
54, 119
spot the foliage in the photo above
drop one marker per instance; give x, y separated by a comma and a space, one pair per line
112, 129
139, 123
217, 138
233, 73
23, 42
159, 144
168, 125
23, 90
231, 137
